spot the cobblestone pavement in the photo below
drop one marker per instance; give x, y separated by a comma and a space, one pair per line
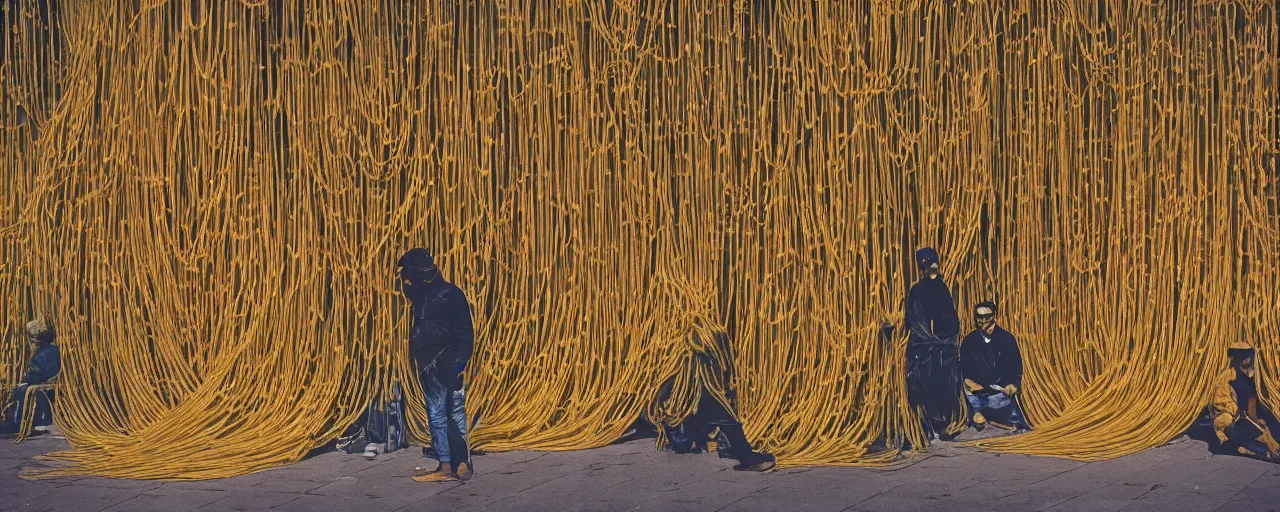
632, 476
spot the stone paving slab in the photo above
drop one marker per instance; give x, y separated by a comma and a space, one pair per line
632, 476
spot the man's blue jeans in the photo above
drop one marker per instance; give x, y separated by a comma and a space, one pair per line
997, 407
446, 414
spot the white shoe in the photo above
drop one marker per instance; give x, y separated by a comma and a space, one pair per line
372, 450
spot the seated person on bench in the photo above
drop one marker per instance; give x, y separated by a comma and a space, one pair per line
45, 364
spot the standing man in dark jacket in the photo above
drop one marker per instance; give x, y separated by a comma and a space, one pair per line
440, 341
933, 358
45, 365
992, 369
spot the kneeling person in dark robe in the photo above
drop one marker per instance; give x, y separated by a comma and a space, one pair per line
45, 365
712, 389
933, 360
1242, 423
992, 369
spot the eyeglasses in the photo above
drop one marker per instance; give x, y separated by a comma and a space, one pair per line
985, 317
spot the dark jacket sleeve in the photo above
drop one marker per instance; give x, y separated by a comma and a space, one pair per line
970, 367
463, 330
45, 365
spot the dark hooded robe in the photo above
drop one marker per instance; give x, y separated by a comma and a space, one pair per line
710, 387
933, 357
1243, 424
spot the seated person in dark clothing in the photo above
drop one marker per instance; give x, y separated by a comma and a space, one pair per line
1243, 424
45, 364
992, 369
708, 385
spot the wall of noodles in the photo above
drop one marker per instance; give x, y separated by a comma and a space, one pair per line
207, 199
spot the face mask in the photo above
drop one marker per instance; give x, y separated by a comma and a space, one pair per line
984, 321
1247, 368
415, 286
412, 290
414, 281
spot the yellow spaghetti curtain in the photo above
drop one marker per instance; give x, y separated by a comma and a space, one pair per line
207, 199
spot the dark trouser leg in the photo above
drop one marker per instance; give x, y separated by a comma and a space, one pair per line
739, 447
13, 415
44, 409
1269, 420
714, 414
458, 448
436, 395
1016, 417
691, 435
1243, 434
998, 408
679, 441
457, 421
975, 406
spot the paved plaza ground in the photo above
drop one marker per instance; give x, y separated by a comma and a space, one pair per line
1179, 476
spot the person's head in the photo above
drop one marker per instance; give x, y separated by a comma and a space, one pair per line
39, 332
984, 316
927, 261
417, 270
1242, 356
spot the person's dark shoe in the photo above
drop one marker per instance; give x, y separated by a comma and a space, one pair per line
979, 422
757, 462
444, 473
465, 471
